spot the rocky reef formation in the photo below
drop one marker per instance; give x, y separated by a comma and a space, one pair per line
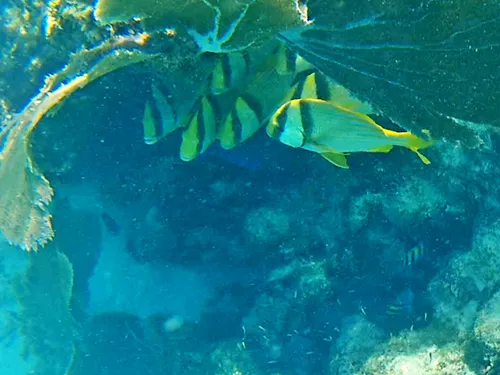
316, 263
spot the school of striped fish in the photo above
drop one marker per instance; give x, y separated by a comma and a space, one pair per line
272, 87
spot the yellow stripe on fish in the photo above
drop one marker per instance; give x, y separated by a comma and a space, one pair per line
159, 118
230, 70
242, 92
201, 130
240, 124
316, 85
288, 62
233, 70
332, 130
254, 105
413, 255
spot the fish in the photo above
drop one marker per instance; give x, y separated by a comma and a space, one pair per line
111, 224
160, 118
413, 255
201, 130
254, 105
242, 92
403, 304
229, 71
234, 69
316, 85
289, 62
234, 116
332, 130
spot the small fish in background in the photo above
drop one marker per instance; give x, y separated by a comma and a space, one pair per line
111, 224
332, 130
403, 304
414, 255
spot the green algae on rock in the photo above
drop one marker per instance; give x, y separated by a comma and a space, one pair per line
46, 325
216, 25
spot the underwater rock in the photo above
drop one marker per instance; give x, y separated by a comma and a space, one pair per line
45, 321
487, 326
414, 202
216, 26
79, 234
267, 225
357, 340
229, 359
468, 280
361, 208
411, 354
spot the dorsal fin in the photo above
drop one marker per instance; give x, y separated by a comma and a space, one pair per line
344, 98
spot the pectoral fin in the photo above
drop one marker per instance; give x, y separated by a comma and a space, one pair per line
336, 159
422, 157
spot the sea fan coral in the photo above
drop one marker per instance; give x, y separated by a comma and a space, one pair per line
26, 193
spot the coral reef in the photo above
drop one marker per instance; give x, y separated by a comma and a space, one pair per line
285, 267
27, 193
487, 325
469, 279
406, 355
353, 347
406, 211
221, 26
46, 325
267, 225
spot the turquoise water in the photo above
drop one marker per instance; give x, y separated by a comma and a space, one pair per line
262, 259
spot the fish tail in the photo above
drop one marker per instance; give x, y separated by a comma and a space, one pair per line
410, 141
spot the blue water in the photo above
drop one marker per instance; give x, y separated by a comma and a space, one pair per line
262, 259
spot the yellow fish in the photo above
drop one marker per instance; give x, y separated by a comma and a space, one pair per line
316, 85
332, 131
254, 105
414, 255
289, 62
201, 130
266, 91
229, 71
159, 118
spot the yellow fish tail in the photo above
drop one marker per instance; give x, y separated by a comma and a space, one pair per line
411, 141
